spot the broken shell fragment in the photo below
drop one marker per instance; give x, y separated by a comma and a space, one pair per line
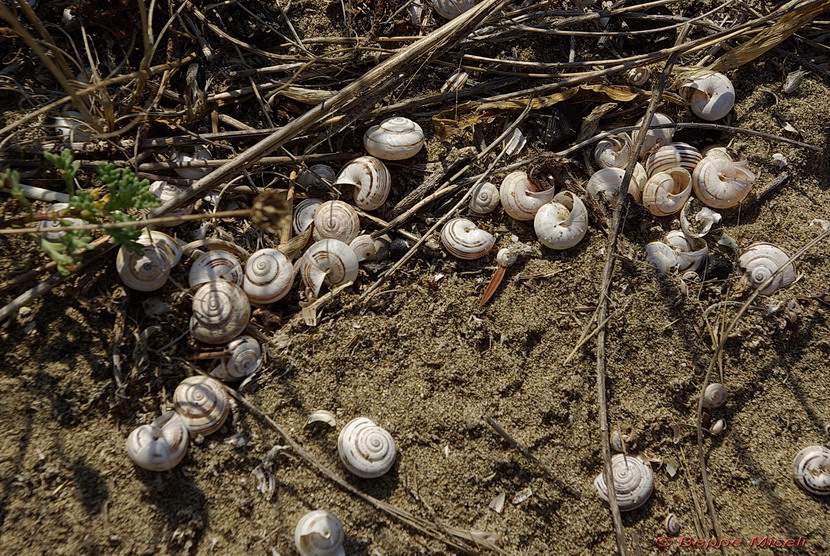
322, 416
319, 533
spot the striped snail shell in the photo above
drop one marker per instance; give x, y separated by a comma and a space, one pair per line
200, 153
655, 137
319, 533
161, 445
719, 182
202, 403
221, 311
520, 197
715, 395
661, 256
304, 215
665, 193
614, 151
364, 247
395, 138
215, 265
485, 198
167, 191
244, 359
761, 260
671, 156
316, 175
606, 183
563, 222
48, 224
370, 178
146, 272
269, 276
171, 245
691, 252
336, 220
451, 9
366, 449
633, 482
811, 470
328, 261
710, 95
463, 239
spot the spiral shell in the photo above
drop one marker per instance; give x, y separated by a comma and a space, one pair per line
691, 252
563, 222
451, 9
160, 240
395, 138
811, 470
606, 183
671, 156
161, 445
633, 482
655, 137
244, 360
661, 256
146, 272
316, 175
319, 533
221, 311
202, 403
715, 395
761, 260
719, 182
328, 261
304, 215
215, 265
200, 153
672, 525
485, 198
166, 192
614, 151
638, 76
364, 247
366, 449
269, 276
710, 95
370, 178
48, 224
520, 197
665, 193
336, 220
463, 239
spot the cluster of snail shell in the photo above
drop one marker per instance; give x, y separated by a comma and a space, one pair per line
633, 481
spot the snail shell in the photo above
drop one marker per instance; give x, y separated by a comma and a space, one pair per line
760, 260
200, 153
328, 261
633, 482
710, 95
167, 191
520, 197
161, 445
316, 175
215, 265
70, 125
366, 449
463, 239
244, 360
146, 272
672, 525
371, 178
811, 470
661, 256
455, 82
319, 533
671, 156
57, 235
451, 9
395, 138
485, 198
655, 137
269, 276
614, 151
171, 245
221, 311
691, 252
718, 427
304, 215
719, 182
202, 403
364, 247
715, 395
665, 193
563, 222
638, 76
702, 222
606, 183
336, 220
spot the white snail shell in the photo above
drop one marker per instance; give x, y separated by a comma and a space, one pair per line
661, 256
316, 175
455, 82
715, 395
171, 245
520, 197
366, 449
485, 198
328, 261
395, 138
691, 252
146, 272
760, 260
304, 215
215, 265
269, 276
701, 223
665, 193
319, 533
710, 95
614, 151
463, 239
811, 470
671, 156
167, 191
638, 76
451, 9
161, 445
364, 247
244, 360
655, 137
563, 222
57, 235
221, 311
199, 153
718, 427
336, 220
633, 482
606, 183
371, 179
202, 403
672, 525
719, 182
